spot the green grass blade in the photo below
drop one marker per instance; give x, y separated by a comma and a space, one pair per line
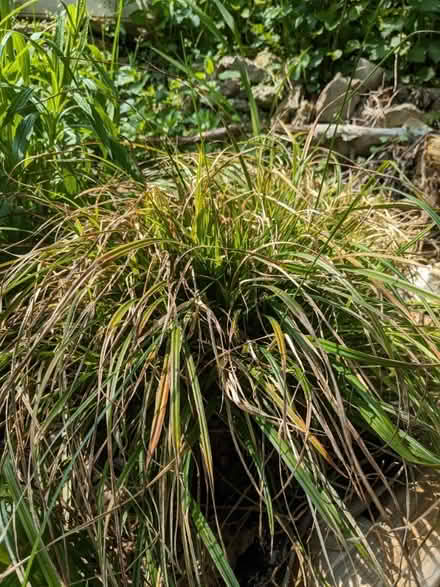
364, 358
39, 553
323, 502
200, 415
255, 117
207, 22
22, 136
229, 20
208, 538
407, 447
16, 11
175, 399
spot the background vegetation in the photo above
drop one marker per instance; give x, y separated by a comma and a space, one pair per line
317, 38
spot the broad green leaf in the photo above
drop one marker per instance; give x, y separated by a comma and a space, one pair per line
208, 23
20, 103
22, 57
229, 20
22, 136
209, 66
434, 51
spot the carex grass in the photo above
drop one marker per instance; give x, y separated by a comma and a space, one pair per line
208, 355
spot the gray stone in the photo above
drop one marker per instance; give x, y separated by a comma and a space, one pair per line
370, 74
427, 99
266, 96
267, 61
405, 540
240, 105
397, 116
434, 97
288, 109
230, 88
426, 277
255, 74
305, 113
338, 99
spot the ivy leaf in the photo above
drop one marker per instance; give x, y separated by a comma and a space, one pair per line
209, 66
434, 52
232, 74
427, 74
427, 6
335, 55
417, 54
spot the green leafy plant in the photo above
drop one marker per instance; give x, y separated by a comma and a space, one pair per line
55, 109
329, 36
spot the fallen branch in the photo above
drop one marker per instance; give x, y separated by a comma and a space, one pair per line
350, 132
357, 139
209, 136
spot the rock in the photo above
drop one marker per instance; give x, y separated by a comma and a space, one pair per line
289, 107
230, 88
427, 99
305, 114
266, 96
240, 105
267, 61
435, 106
433, 95
369, 74
426, 277
399, 115
405, 542
338, 99
255, 74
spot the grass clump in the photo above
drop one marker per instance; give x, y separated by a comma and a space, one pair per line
222, 350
